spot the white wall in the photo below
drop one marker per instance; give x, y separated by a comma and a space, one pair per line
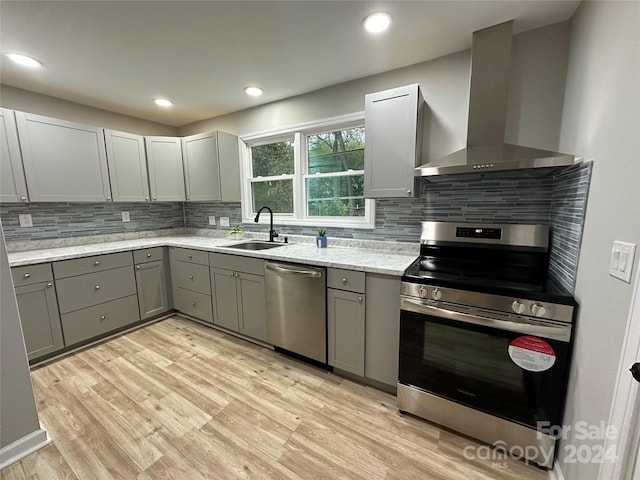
25, 101
601, 122
20, 431
534, 111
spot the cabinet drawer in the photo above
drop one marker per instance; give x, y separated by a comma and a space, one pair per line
191, 256
191, 277
237, 263
31, 274
94, 321
345, 280
193, 303
148, 255
97, 263
91, 289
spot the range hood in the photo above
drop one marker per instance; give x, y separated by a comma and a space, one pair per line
486, 150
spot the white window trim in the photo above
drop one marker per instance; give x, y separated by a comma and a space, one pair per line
298, 132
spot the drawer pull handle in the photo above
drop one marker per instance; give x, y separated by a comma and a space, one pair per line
102, 317
49, 284
27, 275
137, 267
344, 281
97, 287
190, 277
97, 263
148, 255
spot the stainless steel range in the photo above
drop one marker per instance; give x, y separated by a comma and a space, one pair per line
485, 338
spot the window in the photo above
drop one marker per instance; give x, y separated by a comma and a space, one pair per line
312, 174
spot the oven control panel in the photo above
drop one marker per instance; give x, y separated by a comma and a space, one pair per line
524, 307
479, 232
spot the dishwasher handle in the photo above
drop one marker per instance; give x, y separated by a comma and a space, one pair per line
310, 272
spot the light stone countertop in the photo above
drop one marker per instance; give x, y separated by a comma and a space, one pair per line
350, 258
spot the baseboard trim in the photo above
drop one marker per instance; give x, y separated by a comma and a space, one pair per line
556, 473
16, 451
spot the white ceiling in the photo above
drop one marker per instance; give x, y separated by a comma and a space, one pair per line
119, 55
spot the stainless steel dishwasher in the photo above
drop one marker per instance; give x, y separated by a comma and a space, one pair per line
296, 309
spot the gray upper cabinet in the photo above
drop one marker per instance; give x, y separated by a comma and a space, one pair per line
166, 178
127, 166
63, 161
13, 187
393, 129
211, 167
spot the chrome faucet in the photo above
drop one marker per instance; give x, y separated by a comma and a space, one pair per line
272, 233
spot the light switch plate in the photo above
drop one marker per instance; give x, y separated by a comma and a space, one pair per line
212, 220
621, 262
126, 217
224, 221
25, 220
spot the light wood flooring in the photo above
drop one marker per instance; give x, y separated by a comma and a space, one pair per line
177, 400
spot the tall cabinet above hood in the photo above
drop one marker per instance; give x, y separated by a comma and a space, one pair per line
486, 150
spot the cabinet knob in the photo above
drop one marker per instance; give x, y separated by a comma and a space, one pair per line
188, 197
148, 255
146, 198
49, 284
344, 281
408, 193
96, 263
102, 317
97, 287
359, 299
193, 304
190, 277
137, 267
189, 255
27, 275
153, 198
108, 198
24, 199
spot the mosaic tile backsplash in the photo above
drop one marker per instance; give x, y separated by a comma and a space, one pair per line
495, 197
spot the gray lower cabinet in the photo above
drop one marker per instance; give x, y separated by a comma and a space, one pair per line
153, 294
40, 319
383, 328
190, 282
238, 294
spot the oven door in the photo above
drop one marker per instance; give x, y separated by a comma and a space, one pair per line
516, 370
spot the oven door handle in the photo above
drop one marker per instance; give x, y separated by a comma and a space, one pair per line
556, 332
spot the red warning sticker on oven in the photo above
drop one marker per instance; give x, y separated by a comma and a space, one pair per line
532, 354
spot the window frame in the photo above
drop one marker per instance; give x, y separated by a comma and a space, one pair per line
299, 133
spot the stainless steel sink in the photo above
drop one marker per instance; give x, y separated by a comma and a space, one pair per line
252, 245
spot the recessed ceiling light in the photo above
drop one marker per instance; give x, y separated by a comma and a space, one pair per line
377, 22
253, 91
162, 102
24, 60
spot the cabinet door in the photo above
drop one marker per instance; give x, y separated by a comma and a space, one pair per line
394, 139
383, 328
40, 319
345, 323
153, 294
166, 178
127, 166
225, 298
13, 187
201, 167
252, 306
229, 158
63, 161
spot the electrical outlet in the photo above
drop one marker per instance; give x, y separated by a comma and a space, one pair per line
212, 220
25, 220
224, 221
126, 217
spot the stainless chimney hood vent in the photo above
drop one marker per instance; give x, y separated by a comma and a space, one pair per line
486, 150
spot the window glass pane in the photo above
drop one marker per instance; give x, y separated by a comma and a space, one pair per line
272, 159
337, 151
335, 196
277, 195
